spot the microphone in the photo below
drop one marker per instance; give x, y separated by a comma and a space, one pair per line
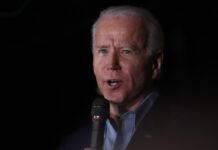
100, 113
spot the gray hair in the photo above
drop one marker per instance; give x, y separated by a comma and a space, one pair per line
155, 34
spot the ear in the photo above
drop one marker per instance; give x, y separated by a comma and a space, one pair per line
157, 64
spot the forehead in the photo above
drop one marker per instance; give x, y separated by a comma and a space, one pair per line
120, 27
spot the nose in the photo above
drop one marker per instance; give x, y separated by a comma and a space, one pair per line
113, 62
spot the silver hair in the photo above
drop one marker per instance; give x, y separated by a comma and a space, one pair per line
155, 34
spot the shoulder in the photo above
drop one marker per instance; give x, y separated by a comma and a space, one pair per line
175, 126
77, 140
191, 127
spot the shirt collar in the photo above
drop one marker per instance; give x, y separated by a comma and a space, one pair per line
128, 124
139, 112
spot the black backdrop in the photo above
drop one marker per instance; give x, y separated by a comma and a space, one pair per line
47, 79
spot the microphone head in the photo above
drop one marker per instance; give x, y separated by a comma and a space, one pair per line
100, 109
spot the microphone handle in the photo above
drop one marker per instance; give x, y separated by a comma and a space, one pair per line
97, 136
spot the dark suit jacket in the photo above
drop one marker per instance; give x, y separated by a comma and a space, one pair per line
165, 127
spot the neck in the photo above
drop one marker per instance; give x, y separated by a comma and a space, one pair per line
116, 110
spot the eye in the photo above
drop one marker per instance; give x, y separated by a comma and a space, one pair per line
126, 51
102, 51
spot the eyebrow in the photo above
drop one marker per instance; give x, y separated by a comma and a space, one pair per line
102, 46
127, 46
133, 46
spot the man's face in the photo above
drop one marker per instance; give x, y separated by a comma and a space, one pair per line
121, 64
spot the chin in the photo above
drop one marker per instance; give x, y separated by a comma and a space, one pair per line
114, 98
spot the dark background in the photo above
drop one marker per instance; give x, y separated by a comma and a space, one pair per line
46, 63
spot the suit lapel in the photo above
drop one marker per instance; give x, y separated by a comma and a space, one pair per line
152, 128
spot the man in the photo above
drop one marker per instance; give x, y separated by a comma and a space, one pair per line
127, 52
127, 59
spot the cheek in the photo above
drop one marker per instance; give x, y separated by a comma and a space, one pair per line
138, 74
137, 78
97, 72
131, 73
96, 66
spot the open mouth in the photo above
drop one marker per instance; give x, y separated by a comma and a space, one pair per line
114, 83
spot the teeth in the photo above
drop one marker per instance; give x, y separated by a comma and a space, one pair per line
112, 82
